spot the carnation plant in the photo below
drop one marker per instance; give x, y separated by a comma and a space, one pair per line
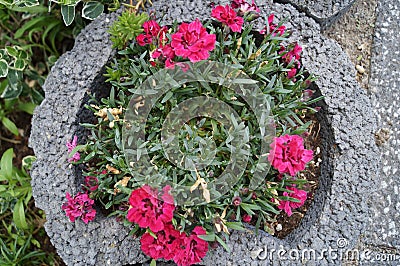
219, 146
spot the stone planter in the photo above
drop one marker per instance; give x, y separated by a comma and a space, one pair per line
324, 12
339, 212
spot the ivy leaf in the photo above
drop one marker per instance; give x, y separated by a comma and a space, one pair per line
12, 51
19, 64
3, 68
92, 10
68, 14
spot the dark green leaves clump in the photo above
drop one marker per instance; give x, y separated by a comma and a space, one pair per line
127, 28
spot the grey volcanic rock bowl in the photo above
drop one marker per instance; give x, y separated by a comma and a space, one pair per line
340, 209
325, 12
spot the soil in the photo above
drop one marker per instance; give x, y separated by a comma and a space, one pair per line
284, 224
354, 32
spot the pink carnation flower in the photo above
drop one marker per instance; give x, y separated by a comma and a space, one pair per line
288, 154
237, 3
287, 206
228, 16
273, 27
192, 41
152, 31
246, 7
79, 206
72, 145
292, 73
294, 54
167, 243
192, 249
165, 54
147, 210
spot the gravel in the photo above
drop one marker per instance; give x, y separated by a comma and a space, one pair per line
339, 212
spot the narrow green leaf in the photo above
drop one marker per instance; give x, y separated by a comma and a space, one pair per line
7, 123
223, 244
76, 149
92, 10
244, 81
19, 215
27, 107
153, 262
37, 21
235, 226
6, 165
208, 237
68, 14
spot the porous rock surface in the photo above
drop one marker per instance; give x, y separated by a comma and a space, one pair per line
339, 211
324, 12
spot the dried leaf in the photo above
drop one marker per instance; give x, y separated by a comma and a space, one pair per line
112, 170
206, 195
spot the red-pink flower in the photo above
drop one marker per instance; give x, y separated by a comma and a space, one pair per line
273, 27
165, 54
288, 154
291, 73
246, 7
151, 27
79, 206
228, 16
246, 218
91, 183
192, 248
165, 246
72, 145
294, 54
287, 206
193, 41
148, 210
237, 3
152, 31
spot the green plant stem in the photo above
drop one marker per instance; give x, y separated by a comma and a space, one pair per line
5, 216
11, 141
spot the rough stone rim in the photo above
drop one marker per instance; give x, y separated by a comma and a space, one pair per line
337, 115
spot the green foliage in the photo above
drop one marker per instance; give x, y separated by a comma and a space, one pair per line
15, 191
127, 28
262, 59
20, 224
16, 254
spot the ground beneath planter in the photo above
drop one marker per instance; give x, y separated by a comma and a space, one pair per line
354, 32
21, 149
